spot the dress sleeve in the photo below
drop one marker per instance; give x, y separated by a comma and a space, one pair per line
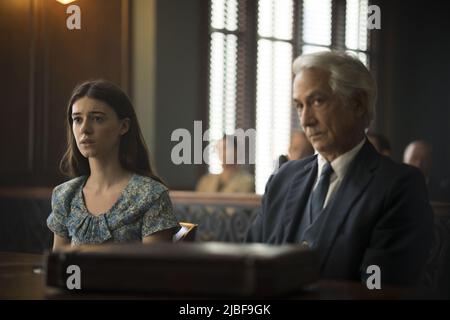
56, 221
160, 216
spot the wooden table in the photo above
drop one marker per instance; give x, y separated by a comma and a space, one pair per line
22, 277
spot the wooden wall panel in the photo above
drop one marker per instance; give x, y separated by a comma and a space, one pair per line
74, 56
16, 87
47, 61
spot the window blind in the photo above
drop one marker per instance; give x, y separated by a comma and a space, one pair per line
252, 46
273, 85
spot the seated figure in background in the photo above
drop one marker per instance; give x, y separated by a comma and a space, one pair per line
234, 178
419, 154
299, 148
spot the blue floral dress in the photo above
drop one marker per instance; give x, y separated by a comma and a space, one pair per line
143, 208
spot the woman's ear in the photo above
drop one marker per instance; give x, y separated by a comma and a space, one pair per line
124, 126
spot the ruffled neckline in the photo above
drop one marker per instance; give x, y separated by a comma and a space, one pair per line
89, 228
119, 200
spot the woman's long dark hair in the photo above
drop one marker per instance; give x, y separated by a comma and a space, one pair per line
133, 154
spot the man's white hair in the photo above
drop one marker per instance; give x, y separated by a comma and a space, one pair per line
348, 76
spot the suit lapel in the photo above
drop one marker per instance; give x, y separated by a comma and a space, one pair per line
355, 182
296, 199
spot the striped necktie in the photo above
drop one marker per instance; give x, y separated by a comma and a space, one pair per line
319, 194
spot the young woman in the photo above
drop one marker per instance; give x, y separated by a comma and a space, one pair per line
114, 195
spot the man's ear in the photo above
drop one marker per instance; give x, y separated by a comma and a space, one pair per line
124, 126
359, 103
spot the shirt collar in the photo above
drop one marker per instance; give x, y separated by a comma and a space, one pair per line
341, 163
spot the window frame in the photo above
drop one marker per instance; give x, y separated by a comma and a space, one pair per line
247, 42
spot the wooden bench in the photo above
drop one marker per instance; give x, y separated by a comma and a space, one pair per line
23, 214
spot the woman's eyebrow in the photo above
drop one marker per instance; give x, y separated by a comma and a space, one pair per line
97, 112
91, 112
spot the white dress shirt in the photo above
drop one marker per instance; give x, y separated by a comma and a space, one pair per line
340, 167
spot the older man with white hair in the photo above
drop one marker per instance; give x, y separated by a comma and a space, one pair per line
354, 206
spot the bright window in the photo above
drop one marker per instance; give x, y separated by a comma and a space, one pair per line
252, 47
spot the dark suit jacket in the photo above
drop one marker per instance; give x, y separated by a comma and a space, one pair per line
380, 215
